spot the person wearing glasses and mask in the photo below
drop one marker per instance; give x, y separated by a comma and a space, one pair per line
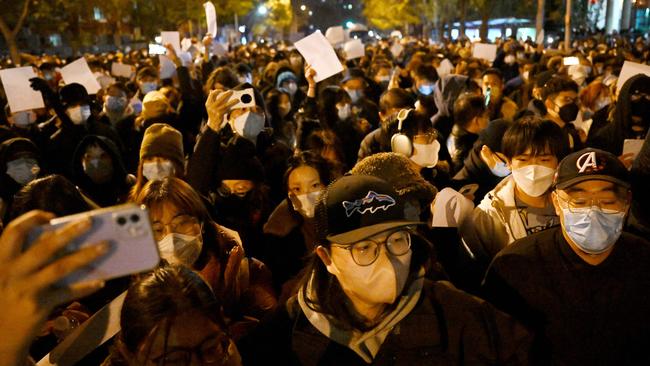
186, 235
363, 298
582, 287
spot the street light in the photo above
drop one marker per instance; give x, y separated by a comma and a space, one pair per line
303, 7
262, 10
311, 13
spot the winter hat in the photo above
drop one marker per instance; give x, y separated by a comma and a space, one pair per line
74, 93
285, 76
396, 170
240, 163
155, 104
162, 140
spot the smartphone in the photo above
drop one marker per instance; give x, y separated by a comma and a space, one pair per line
468, 189
156, 49
571, 61
245, 98
128, 229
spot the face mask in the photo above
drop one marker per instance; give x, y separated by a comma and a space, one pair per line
181, 249
284, 109
425, 89
378, 283
245, 79
510, 59
382, 79
157, 170
24, 119
48, 76
23, 170
355, 95
602, 103
500, 169
115, 104
521, 55
344, 112
148, 87
100, 171
569, 112
426, 155
525, 75
79, 114
291, 88
534, 180
249, 125
305, 204
593, 230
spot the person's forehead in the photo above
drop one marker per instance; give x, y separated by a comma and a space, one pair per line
187, 331
592, 186
303, 173
565, 94
354, 83
237, 182
492, 78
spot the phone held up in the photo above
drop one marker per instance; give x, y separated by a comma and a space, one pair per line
127, 228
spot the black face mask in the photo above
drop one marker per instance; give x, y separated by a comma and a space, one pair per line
569, 112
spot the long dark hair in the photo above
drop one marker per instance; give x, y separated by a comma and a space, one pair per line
158, 298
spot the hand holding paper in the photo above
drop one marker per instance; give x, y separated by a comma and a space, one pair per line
20, 95
318, 53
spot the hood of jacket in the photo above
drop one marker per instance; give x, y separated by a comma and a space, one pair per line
119, 171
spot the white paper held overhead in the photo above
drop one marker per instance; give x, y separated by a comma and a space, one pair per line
122, 70
630, 69
485, 51
211, 17
353, 49
335, 35
318, 53
173, 38
19, 93
633, 147
79, 72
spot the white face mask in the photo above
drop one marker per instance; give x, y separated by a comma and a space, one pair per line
426, 155
378, 283
79, 114
305, 204
534, 180
344, 112
158, 170
180, 249
510, 59
23, 170
602, 103
249, 125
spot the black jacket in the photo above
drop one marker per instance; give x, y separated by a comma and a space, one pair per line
446, 327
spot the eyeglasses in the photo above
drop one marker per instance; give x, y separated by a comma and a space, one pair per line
366, 252
183, 224
613, 204
213, 351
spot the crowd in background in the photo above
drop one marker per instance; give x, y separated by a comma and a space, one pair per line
491, 157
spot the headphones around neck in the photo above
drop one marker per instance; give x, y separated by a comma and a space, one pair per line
400, 143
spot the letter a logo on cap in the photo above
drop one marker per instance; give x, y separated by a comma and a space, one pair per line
587, 160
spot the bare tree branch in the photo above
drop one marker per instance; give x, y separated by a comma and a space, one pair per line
23, 16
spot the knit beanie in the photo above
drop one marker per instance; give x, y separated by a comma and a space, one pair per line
162, 140
396, 170
240, 163
74, 93
155, 104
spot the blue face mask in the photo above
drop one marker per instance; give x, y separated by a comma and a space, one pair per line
115, 104
425, 89
500, 169
593, 230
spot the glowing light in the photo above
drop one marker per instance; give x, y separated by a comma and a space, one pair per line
262, 10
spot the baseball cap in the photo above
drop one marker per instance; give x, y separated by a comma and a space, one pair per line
590, 164
356, 207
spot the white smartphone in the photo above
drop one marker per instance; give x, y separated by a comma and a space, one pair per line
128, 229
245, 98
571, 61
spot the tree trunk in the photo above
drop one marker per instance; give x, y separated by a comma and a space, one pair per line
485, 18
567, 27
539, 20
13, 50
463, 16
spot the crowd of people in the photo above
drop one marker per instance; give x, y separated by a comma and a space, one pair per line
423, 207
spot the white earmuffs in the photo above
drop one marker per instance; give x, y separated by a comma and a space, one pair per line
400, 143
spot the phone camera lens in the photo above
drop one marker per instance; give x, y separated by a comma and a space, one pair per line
121, 221
246, 98
135, 218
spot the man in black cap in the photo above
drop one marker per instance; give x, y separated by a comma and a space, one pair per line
583, 287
